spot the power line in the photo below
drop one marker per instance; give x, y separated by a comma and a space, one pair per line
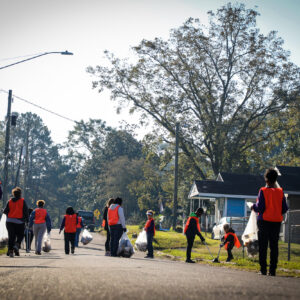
40, 107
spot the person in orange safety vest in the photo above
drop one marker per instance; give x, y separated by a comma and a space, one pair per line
40, 222
271, 206
230, 240
192, 228
69, 223
105, 225
17, 215
78, 230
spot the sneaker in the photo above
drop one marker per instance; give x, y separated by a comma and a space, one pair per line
190, 261
11, 253
107, 253
271, 273
262, 273
149, 256
228, 259
72, 250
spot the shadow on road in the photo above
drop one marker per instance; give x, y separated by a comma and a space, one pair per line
28, 267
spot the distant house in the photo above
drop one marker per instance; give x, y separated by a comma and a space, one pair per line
230, 192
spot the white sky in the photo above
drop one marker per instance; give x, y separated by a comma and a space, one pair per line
87, 28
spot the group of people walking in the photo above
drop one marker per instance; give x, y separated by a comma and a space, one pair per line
114, 224
270, 205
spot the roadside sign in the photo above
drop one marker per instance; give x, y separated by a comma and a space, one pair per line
97, 214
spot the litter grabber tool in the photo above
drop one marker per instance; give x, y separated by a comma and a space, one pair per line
28, 237
208, 250
216, 260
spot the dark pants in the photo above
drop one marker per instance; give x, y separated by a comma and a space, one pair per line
268, 232
116, 232
229, 249
69, 238
28, 238
15, 231
190, 243
149, 244
107, 243
78, 230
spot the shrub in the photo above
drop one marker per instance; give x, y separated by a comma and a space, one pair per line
178, 228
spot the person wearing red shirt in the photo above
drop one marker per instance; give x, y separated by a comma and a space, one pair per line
150, 230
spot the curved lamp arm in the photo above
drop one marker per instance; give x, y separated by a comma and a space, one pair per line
53, 52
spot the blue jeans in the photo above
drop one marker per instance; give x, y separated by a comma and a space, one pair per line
78, 230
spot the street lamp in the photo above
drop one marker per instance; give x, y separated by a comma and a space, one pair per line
46, 53
8, 121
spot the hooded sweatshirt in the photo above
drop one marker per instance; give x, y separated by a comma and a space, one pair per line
15, 220
120, 213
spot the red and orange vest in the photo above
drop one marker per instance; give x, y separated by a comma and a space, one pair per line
113, 216
15, 208
236, 240
188, 223
40, 215
70, 223
148, 223
273, 204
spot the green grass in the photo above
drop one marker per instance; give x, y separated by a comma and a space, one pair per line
3, 250
172, 245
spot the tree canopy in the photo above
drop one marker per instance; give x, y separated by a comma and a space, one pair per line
221, 82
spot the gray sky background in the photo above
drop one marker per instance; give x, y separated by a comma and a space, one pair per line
87, 28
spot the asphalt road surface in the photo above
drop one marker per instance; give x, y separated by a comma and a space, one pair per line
88, 274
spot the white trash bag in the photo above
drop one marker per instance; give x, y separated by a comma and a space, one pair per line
46, 242
250, 236
86, 237
125, 248
141, 241
3, 231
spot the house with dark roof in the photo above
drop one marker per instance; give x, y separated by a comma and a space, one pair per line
230, 192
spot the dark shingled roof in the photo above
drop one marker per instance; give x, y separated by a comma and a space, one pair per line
233, 184
246, 184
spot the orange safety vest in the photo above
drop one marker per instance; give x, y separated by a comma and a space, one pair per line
113, 216
103, 223
16, 208
148, 223
70, 223
40, 215
273, 204
236, 240
79, 222
188, 223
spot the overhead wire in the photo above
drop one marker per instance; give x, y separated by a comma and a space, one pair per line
40, 107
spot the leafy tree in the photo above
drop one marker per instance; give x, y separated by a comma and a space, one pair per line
221, 82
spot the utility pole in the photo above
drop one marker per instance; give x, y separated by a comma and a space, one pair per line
175, 201
26, 160
6, 149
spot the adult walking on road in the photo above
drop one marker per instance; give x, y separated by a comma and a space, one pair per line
105, 226
270, 205
17, 215
69, 223
78, 229
116, 222
40, 222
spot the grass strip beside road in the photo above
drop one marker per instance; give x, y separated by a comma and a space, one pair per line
172, 245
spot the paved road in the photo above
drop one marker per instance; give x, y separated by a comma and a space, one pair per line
90, 275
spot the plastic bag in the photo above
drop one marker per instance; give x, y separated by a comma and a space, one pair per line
250, 232
86, 237
250, 237
125, 248
3, 231
46, 242
141, 241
